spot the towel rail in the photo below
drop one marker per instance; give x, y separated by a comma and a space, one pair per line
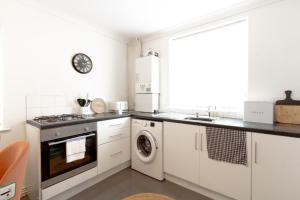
67, 140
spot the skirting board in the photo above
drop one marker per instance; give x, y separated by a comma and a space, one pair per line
196, 188
79, 188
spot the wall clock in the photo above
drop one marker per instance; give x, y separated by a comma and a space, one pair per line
82, 63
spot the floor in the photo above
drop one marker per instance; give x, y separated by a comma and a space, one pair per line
129, 182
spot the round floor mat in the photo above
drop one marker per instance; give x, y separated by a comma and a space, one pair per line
148, 196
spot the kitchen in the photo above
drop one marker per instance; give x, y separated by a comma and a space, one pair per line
39, 39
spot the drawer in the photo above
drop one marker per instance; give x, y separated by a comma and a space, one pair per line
105, 136
114, 124
113, 154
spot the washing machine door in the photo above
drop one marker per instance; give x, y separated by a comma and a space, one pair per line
146, 146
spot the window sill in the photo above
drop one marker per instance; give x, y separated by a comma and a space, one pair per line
4, 130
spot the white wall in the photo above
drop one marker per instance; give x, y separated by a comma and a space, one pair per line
37, 51
274, 43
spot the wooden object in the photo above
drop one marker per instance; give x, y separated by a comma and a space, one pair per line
288, 110
98, 106
148, 196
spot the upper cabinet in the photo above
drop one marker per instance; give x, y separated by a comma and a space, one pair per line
275, 167
181, 151
232, 180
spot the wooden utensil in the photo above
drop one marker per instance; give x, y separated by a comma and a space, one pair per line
288, 110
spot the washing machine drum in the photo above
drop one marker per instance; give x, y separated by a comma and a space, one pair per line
146, 146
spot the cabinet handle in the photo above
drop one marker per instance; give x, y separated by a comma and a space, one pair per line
116, 154
255, 152
114, 136
196, 141
201, 142
112, 125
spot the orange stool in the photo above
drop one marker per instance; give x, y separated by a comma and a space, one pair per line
13, 162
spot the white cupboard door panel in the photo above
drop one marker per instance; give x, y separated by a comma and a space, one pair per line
113, 154
231, 180
112, 135
114, 124
275, 167
181, 154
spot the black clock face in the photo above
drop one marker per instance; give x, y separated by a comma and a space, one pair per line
82, 63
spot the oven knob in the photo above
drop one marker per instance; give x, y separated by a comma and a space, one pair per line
86, 129
57, 134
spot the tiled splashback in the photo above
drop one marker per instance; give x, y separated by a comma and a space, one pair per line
39, 105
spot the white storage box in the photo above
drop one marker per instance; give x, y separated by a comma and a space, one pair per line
259, 111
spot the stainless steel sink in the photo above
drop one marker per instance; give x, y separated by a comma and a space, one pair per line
207, 119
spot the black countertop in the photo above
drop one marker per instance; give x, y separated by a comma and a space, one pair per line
274, 129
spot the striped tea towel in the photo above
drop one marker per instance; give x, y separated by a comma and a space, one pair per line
227, 145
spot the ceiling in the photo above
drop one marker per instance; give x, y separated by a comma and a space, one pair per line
134, 18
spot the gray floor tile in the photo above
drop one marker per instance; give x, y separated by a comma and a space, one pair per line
129, 182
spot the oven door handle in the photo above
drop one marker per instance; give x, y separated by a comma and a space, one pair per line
64, 141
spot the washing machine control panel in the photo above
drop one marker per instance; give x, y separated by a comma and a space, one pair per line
145, 123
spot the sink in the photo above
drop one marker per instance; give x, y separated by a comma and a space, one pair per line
207, 119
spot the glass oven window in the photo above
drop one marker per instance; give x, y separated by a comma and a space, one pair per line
54, 160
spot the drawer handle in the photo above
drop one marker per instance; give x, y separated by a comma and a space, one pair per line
112, 125
114, 136
116, 154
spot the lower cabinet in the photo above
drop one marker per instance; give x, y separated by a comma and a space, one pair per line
275, 167
231, 180
181, 154
186, 157
113, 154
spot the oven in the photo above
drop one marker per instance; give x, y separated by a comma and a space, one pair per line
54, 164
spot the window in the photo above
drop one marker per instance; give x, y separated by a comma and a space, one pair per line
210, 68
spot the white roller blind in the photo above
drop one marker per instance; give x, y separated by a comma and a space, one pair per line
210, 68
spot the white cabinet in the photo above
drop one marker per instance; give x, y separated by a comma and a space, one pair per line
113, 129
275, 167
113, 143
186, 157
112, 154
181, 154
225, 178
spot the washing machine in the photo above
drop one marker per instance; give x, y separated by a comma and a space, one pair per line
146, 148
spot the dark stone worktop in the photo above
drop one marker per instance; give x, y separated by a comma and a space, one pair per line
275, 129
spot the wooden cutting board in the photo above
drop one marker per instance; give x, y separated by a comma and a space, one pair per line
98, 106
288, 110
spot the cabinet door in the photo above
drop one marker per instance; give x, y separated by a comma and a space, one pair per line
225, 178
181, 154
275, 167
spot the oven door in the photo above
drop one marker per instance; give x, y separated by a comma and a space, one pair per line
55, 167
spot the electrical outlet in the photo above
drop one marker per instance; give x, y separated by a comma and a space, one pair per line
8, 192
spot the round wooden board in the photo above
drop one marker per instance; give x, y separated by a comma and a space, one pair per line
98, 106
148, 196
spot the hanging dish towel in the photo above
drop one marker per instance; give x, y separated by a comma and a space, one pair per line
227, 145
75, 149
